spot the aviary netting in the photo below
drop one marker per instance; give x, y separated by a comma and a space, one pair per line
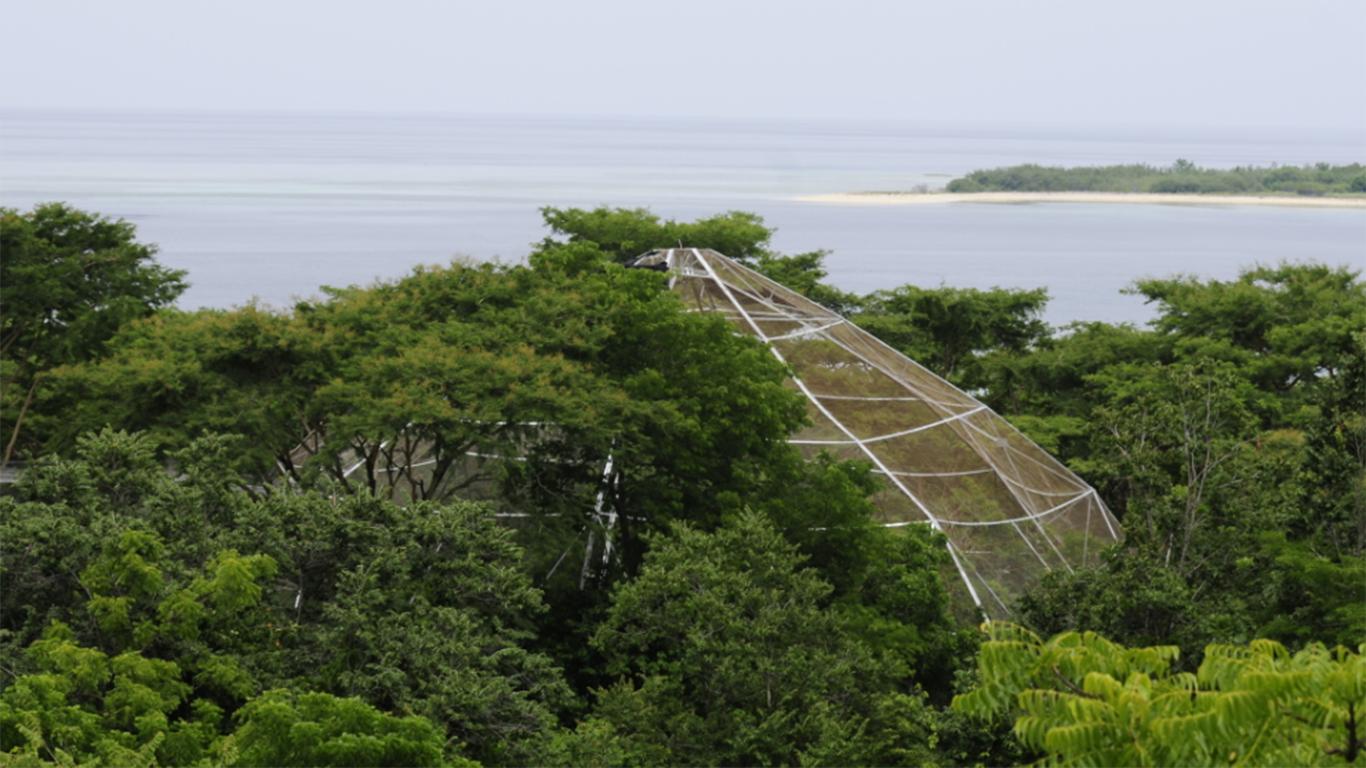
1008, 510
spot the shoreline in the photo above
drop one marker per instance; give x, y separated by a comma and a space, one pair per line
1131, 198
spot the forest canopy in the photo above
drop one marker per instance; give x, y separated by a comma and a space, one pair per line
214, 554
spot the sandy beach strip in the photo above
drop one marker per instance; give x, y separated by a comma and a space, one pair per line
1136, 198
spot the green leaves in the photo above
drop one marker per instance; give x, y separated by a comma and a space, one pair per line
68, 281
420, 609
627, 233
949, 329
1084, 700
1292, 323
726, 654
120, 702
281, 728
1238, 414
427, 616
178, 375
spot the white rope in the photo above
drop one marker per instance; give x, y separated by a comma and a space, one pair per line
985, 523
986, 584
780, 311
392, 469
884, 371
766, 316
1024, 504
1107, 516
478, 455
1023, 519
347, 472
1010, 450
905, 523
1086, 540
1005, 445
964, 473
990, 523
889, 436
1031, 546
725, 289
803, 331
1036, 491
862, 398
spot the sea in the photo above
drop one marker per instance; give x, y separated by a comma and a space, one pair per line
268, 207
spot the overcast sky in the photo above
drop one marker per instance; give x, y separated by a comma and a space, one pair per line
1299, 63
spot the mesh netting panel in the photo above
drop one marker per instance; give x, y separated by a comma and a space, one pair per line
821, 431
836, 452
1010, 511
931, 451
829, 370
869, 419
980, 497
894, 507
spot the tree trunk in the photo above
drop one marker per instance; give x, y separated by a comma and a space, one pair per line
19, 421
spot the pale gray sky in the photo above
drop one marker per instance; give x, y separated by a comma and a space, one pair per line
1298, 63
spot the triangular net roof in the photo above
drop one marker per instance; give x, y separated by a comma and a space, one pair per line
1009, 510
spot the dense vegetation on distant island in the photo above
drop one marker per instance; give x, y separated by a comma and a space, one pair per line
183, 586
1182, 177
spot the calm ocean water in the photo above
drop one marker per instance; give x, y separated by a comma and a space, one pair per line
273, 206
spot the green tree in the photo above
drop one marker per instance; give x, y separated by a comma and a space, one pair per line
727, 654
68, 280
418, 609
282, 728
1335, 464
1175, 441
161, 667
1238, 414
1290, 326
57, 522
625, 233
1303, 595
1134, 597
390, 389
430, 619
949, 329
178, 375
1082, 699
1052, 380
1178, 451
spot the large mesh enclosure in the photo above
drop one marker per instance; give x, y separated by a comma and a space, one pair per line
1009, 511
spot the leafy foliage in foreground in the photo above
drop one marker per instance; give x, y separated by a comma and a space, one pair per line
136, 632
767, 678
357, 631
1084, 700
280, 728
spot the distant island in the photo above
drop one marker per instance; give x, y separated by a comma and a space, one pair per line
1183, 182
1181, 178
